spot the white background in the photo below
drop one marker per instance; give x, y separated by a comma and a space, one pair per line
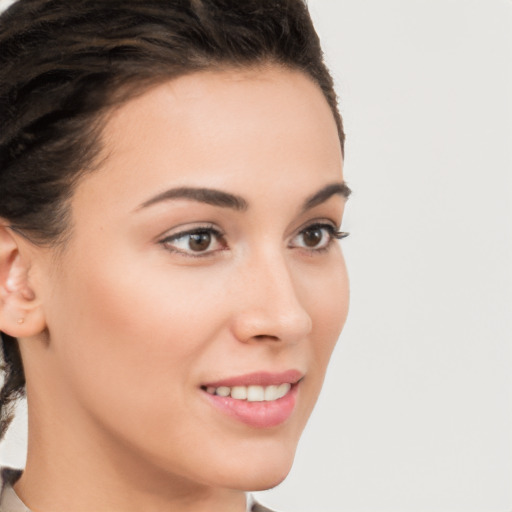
416, 413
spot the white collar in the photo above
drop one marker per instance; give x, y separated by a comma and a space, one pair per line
250, 502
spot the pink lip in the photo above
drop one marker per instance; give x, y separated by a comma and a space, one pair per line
258, 379
257, 414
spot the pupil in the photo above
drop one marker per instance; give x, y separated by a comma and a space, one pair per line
199, 241
313, 237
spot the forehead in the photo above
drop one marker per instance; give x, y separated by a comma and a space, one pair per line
232, 128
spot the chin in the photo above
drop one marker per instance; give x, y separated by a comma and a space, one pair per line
261, 471
263, 480
267, 482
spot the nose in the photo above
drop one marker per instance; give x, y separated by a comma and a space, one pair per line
269, 308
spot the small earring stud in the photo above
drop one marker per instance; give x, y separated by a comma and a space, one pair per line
21, 320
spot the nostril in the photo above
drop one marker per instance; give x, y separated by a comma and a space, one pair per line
265, 337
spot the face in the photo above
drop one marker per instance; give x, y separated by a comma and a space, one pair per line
194, 309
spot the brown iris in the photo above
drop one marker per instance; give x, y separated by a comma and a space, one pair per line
200, 241
312, 237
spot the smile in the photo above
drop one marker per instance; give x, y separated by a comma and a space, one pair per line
260, 400
252, 393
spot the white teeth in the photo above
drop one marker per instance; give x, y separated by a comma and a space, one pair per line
223, 391
255, 394
239, 392
252, 393
283, 389
271, 393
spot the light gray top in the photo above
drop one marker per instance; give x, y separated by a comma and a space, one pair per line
10, 502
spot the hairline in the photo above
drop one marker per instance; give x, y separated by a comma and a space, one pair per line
130, 89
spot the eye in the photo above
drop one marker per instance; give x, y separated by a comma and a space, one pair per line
317, 237
200, 241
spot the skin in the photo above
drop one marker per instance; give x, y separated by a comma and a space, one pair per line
121, 329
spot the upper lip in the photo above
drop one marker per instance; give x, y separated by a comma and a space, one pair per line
258, 379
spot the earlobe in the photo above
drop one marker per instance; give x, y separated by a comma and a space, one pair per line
21, 314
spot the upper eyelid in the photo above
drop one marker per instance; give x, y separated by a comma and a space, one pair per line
183, 230
321, 221
181, 234
332, 227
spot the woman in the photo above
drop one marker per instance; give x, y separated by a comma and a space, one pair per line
171, 194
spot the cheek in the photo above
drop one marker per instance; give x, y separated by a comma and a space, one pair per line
325, 295
116, 332
127, 345
128, 303
328, 302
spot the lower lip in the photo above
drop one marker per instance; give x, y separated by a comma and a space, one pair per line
257, 414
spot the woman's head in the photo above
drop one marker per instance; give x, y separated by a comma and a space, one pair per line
175, 199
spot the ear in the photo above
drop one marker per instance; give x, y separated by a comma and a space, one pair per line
21, 314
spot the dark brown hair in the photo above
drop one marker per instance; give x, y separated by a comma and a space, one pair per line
64, 63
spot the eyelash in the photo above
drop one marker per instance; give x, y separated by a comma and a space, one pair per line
332, 232
216, 234
213, 232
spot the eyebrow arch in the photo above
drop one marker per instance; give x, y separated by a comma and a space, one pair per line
202, 195
227, 200
325, 193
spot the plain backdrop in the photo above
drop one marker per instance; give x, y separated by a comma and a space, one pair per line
416, 412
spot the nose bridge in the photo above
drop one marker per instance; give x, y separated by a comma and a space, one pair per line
271, 308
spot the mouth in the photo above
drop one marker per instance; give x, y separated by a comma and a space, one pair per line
260, 400
251, 393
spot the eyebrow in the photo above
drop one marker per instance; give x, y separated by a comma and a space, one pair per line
325, 193
238, 203
201, 195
